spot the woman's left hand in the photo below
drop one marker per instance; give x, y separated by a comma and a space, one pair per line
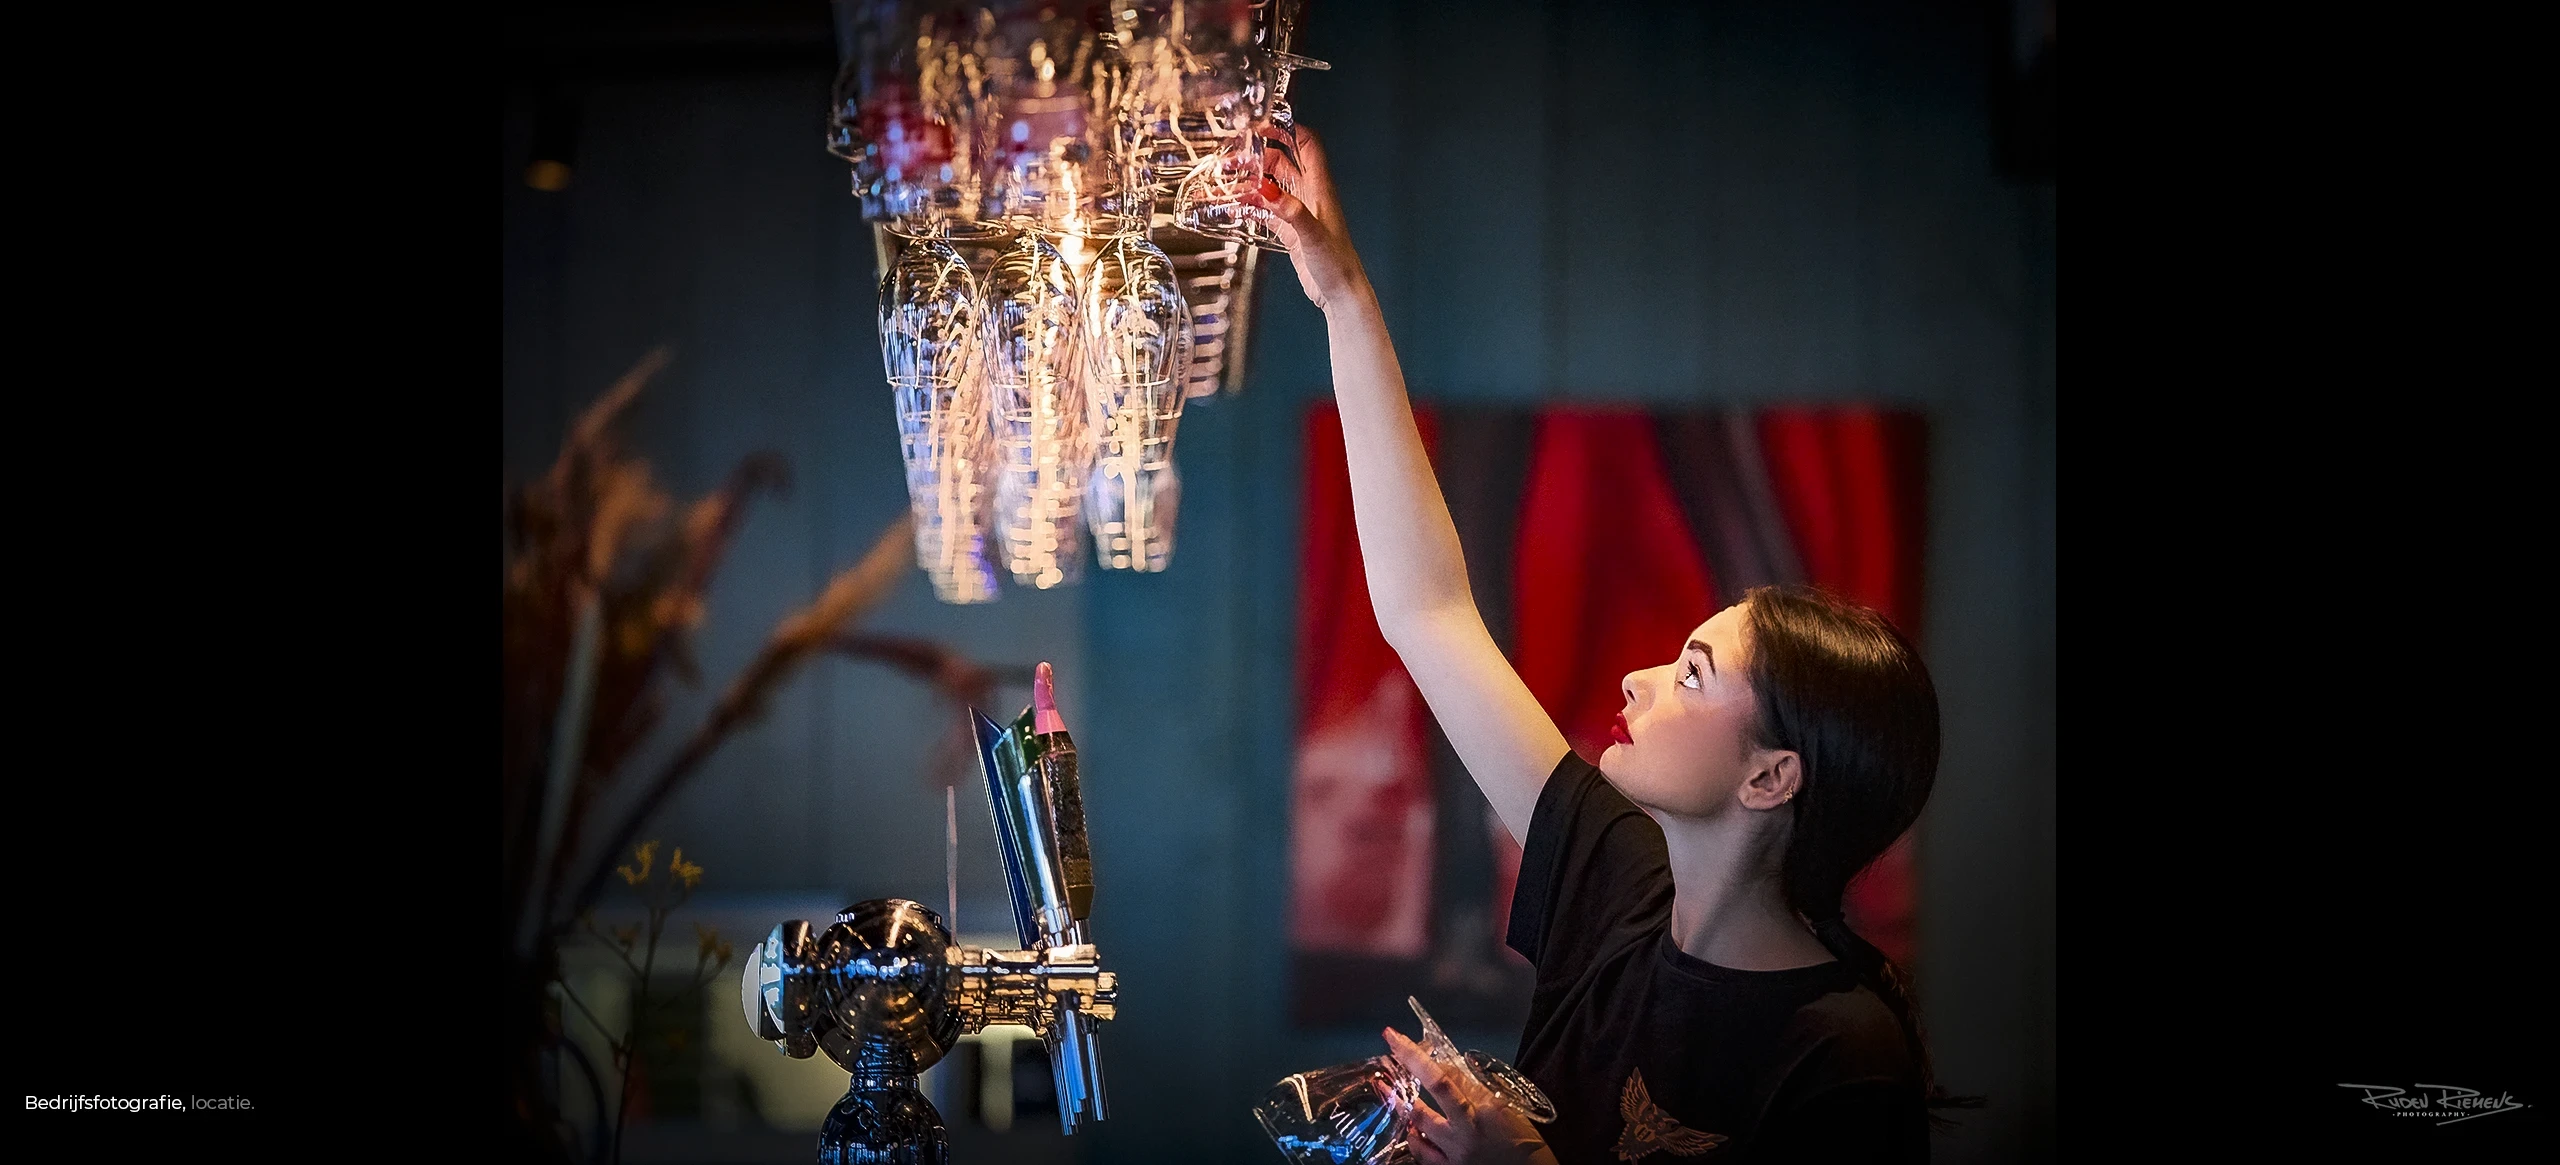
1473, 1127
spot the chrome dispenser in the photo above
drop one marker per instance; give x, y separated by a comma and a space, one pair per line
885, 992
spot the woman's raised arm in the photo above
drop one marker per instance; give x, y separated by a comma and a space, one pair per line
1417, 577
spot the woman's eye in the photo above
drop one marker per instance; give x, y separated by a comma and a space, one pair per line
1689, 676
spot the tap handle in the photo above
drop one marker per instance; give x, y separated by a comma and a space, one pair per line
994, 746
1055, 753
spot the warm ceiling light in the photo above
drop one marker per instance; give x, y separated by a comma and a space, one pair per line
548, 176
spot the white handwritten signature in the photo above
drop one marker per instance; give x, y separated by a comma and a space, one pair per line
2454, 1104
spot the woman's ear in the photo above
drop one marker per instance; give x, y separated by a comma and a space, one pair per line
1776, 775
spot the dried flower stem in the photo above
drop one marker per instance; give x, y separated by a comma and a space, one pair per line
569, 735
800, 637
611, 1043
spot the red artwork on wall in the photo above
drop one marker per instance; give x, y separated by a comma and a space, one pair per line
1361, 817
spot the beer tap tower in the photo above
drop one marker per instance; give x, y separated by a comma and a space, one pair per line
885, 992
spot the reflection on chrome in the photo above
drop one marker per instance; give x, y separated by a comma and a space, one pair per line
886, 992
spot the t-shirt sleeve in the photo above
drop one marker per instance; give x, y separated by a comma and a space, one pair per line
1856, 1123
1592, 861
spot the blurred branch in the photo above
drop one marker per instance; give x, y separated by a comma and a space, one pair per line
707, 532
609, 943
934, 664
964, 683
852, 593
587, 437
563, 534
611, 1044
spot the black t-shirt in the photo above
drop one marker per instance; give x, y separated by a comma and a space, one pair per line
1652, 1054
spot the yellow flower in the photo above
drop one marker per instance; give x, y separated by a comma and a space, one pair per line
710, 942
690, 873
646, 853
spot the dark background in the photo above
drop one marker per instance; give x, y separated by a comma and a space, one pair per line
2308, 630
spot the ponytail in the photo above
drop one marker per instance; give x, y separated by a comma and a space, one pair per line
1886, 978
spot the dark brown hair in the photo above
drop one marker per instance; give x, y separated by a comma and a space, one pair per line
1840, 687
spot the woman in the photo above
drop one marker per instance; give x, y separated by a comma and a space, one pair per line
1697, 989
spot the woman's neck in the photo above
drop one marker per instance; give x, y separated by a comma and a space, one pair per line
1723, 910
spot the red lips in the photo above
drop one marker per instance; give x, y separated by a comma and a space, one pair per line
1618, 729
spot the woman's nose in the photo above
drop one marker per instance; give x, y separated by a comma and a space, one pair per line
1629, 685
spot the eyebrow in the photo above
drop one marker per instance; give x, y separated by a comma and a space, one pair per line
1710, 653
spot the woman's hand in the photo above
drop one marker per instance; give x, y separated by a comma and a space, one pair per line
1300, 204
1473, 1126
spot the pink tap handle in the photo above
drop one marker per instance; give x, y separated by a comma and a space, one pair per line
1044, 702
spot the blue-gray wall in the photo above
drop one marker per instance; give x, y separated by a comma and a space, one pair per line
1716, 204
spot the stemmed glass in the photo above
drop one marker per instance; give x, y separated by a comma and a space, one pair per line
1360, 1113
916, 126
928, 341
1138, 345
1055, 164
1029, 342
1222, 196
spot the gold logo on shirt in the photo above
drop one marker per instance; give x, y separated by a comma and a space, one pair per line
1650, 1130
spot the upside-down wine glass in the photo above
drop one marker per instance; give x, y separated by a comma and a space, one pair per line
1031, 335
928, 347
1137, 342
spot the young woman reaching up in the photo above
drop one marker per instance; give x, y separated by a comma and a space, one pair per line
1698, 991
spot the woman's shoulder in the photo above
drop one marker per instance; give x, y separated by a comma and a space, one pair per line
1846, 1036
1580, 804
1592, 870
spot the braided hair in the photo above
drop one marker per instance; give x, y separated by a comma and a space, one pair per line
1840, 687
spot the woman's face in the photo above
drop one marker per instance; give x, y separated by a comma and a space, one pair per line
1684, 743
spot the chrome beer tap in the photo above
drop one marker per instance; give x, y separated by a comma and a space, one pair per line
885, 992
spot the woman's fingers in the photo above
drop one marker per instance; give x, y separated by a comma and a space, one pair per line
1284, 206
1299, 162
1414, 1059
1435, 1079
1298, 204
1428, 1132
1310, 162
1289, 217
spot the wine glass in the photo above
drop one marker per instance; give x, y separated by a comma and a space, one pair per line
1502, 1080
928, 341
1029, 340
922, 125
1222, 196
1348, 1114
1137, 340
1360, 1113
1058, 160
